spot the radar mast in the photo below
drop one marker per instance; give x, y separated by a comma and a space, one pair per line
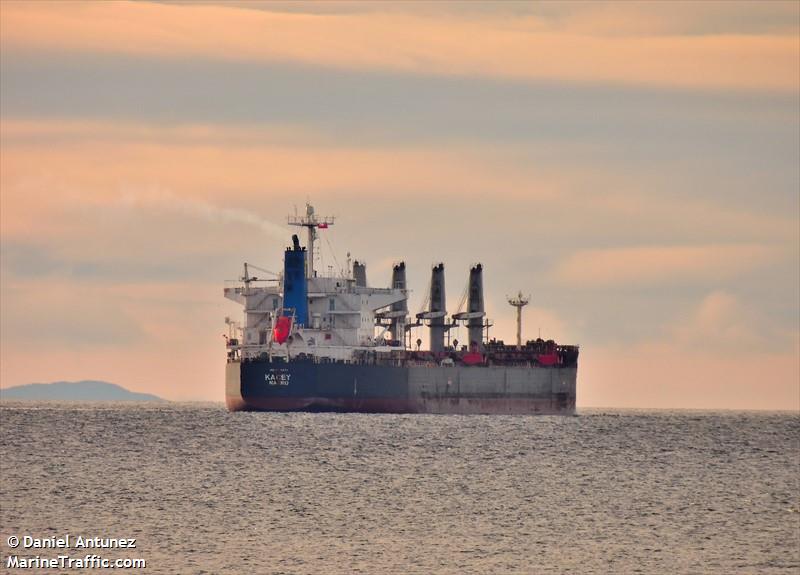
519, 302
311, 222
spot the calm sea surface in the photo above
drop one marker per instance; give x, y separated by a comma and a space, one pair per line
205, 491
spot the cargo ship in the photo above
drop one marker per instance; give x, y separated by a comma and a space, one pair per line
311, 342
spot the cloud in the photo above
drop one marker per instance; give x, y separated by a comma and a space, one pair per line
125, 205
28, 132
159, 337
200, 189
643, 266
162, 339
593, 17
665, 375
523, 47
77, 317
723, 353
677, 17
210, 176
724, 323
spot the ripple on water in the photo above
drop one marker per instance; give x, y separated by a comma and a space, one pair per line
204, 491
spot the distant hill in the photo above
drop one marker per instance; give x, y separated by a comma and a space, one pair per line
74, 391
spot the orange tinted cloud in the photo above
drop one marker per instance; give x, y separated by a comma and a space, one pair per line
47, 166
140, 365
690, 17
666, 375
63, 183
721, 321
52, 166
724, 354
523, 48
120, 332
663, 264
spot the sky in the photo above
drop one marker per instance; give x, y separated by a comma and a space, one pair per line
633, 166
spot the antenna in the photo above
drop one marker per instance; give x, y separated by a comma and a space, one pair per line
519, 302
311, 222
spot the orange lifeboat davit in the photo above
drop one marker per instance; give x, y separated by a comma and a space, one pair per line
283, 328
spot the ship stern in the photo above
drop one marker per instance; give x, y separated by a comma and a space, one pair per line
233, 387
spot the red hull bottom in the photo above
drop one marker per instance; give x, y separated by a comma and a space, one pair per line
441, 405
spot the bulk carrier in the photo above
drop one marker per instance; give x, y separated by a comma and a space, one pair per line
332, 343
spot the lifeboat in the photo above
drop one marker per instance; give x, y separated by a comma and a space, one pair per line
282, 329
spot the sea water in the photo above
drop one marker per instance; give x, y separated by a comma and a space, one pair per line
201, 490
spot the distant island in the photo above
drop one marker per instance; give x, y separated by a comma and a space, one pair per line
74, 391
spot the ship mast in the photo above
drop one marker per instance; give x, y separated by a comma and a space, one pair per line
311, 222
519, 302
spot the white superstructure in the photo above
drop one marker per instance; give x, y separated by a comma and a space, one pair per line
342, 316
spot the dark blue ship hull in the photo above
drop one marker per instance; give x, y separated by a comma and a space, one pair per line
341, 387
